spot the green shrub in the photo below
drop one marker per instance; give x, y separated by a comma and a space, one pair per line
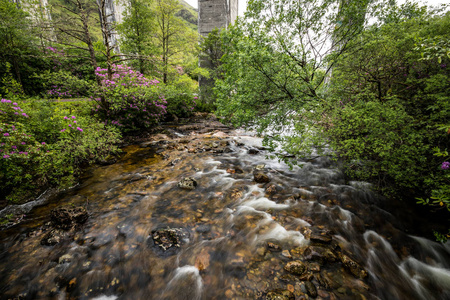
47, 147
180, 96
63, 84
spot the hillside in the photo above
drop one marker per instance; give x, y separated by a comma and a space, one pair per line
189, 14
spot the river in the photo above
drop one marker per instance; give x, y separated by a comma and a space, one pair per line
300, 233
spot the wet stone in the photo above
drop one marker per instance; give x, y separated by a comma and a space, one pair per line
295, 267
353, 266
66, 218
280, 295
319, 254
173, 162
315, 267
320, 237
287, 278
261, 177
253, 151
204, 228
187, 183
202, 261
261, 251
273, 247
271, 189
66, 258
53, 237
311, 289
286, 254
169, 238
238, 170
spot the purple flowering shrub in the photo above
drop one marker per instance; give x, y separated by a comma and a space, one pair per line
46, 144
9, 110
19, 150
129, 100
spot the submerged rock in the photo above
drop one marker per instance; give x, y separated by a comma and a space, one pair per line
261, 177
319, 254
66, 218
271, 189
295, 267
311, 289
53, 237
273, 247
187, 183
321, 238
173, 162
280, 295
169, 238
253, 151
238, 170
202, 261
353, 266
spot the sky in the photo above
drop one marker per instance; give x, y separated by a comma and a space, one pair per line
243, 3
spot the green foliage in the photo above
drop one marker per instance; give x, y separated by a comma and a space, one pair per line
212, 49
175, 40
62, 84
9, 85
19, 53
387, 104
276, 59
158, 39
136, 32
379, 140
180, 97
36, 154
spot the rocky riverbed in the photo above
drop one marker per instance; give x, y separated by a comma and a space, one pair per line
200, 212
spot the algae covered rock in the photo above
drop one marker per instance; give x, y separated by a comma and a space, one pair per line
187, 183
67, 217
295, 267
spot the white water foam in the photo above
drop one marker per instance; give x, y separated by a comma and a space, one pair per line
279, 233
263, 204
185, 284
104, 297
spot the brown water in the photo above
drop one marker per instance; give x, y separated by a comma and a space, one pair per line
239, 235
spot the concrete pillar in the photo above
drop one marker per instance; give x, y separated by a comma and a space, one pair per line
216, 13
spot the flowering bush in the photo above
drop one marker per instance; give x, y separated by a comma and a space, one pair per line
10, 109
32, 158
128, 99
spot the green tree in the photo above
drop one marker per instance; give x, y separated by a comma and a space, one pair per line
16, 39
278, 58
175, 39
386, 105
73, 21
137, 31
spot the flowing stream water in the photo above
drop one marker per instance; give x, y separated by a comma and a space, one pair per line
303, 235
